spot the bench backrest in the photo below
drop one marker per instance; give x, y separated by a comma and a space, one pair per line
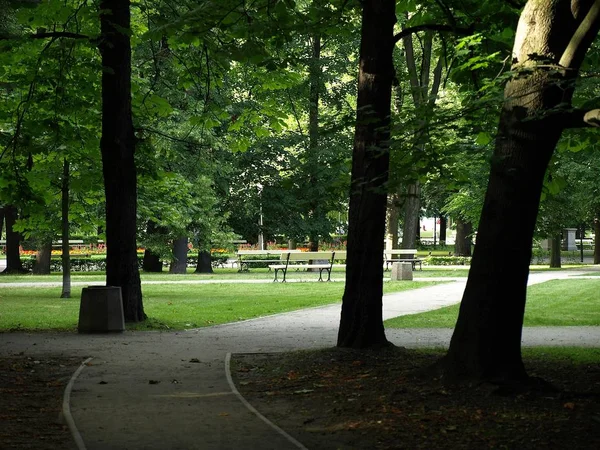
340, 255
401, 252
265, 252
309, 256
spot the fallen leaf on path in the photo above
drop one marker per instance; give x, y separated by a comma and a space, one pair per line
304, 391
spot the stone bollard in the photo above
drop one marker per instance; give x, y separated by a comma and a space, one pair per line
402, 271
101, 310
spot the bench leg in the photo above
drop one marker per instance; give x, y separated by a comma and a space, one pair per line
275, 279
284, 274
321, 274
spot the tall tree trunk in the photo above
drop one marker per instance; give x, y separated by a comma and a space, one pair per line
361, 323
204, 264
597, 238
424, 100
412, 213
555, 252
42, 259
315, 211
66, 248
180, 252
464, 238
13, 242
393, 219
118, 147
486, 343
443, 227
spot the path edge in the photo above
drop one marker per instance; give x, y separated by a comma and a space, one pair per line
66, 407
252, 409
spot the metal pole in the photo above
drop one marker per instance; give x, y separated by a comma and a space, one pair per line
581, 241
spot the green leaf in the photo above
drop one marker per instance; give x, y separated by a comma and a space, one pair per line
483, 138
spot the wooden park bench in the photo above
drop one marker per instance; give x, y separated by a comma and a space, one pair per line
246, 257
323, 261
402, 255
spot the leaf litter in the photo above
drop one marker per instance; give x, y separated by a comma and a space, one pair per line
387, 400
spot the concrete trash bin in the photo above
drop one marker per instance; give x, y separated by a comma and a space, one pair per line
402, 271
101, 310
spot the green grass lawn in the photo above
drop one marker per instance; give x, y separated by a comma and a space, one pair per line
223, 274
554, 303
175, 306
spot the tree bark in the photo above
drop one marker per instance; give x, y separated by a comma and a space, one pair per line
204, 264
412, 214
180, 252
13, 242
555, 252
597, 238
66, 248
443, 227
361, 323
151, 262
117, 145
486, 343
315, 211
393, 219
464, 238
42, 259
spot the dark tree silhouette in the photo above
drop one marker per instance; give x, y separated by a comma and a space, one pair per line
118, 147
551, 40
361, 322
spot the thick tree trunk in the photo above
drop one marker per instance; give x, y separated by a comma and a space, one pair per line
66, 248
486, 343
464, 238
597, 238
42, 259
151, 262
180, 254
555, 252
204, 264
361, 322
118, 146
13, 242
443, 227
412, 214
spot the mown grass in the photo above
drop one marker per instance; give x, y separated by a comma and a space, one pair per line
554, 303
175, 306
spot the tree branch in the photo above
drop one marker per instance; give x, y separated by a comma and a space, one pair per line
582, 38
432, 27
581, 118
48, 35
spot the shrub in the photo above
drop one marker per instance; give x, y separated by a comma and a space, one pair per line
447, 260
